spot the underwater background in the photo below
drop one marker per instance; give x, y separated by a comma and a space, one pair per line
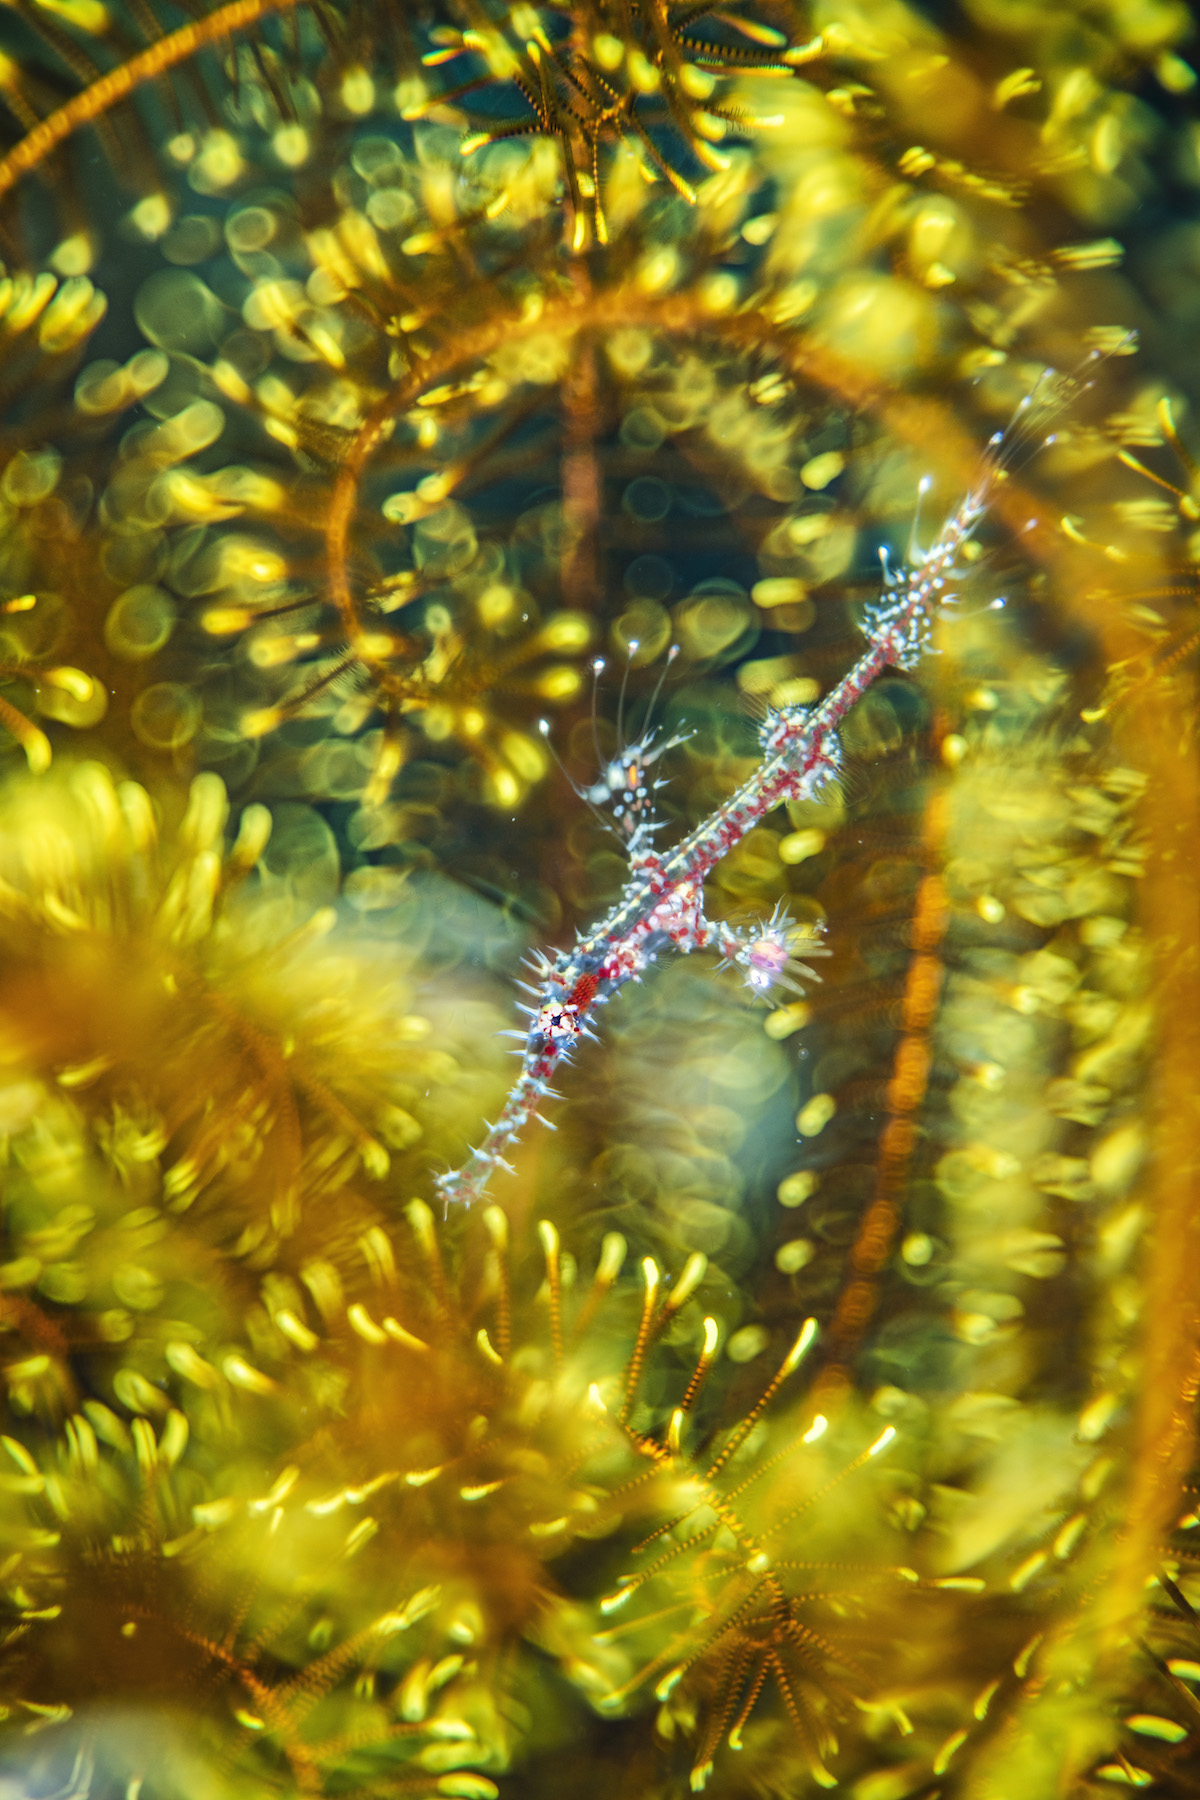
409, 409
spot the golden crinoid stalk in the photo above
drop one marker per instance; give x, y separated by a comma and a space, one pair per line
1122, 1694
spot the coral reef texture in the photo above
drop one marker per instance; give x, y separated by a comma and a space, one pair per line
687, 516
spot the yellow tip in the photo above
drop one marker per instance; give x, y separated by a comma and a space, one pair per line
693, 1274
801, 1347
258, 724
669, 1683
496, 1220
612, 1255
73, 682
36, 746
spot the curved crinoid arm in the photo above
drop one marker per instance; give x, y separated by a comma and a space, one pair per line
108, 79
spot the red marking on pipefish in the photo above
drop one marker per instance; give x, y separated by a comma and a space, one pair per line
584, 992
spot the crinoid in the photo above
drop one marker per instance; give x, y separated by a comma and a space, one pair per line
149, 1584
375, 444
404, 441
121, 72
601, 74
1157, 1749
1162, 612
750, 1583
500, 1455
193, 1070
334, 1569
45, 325
1096, 1699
